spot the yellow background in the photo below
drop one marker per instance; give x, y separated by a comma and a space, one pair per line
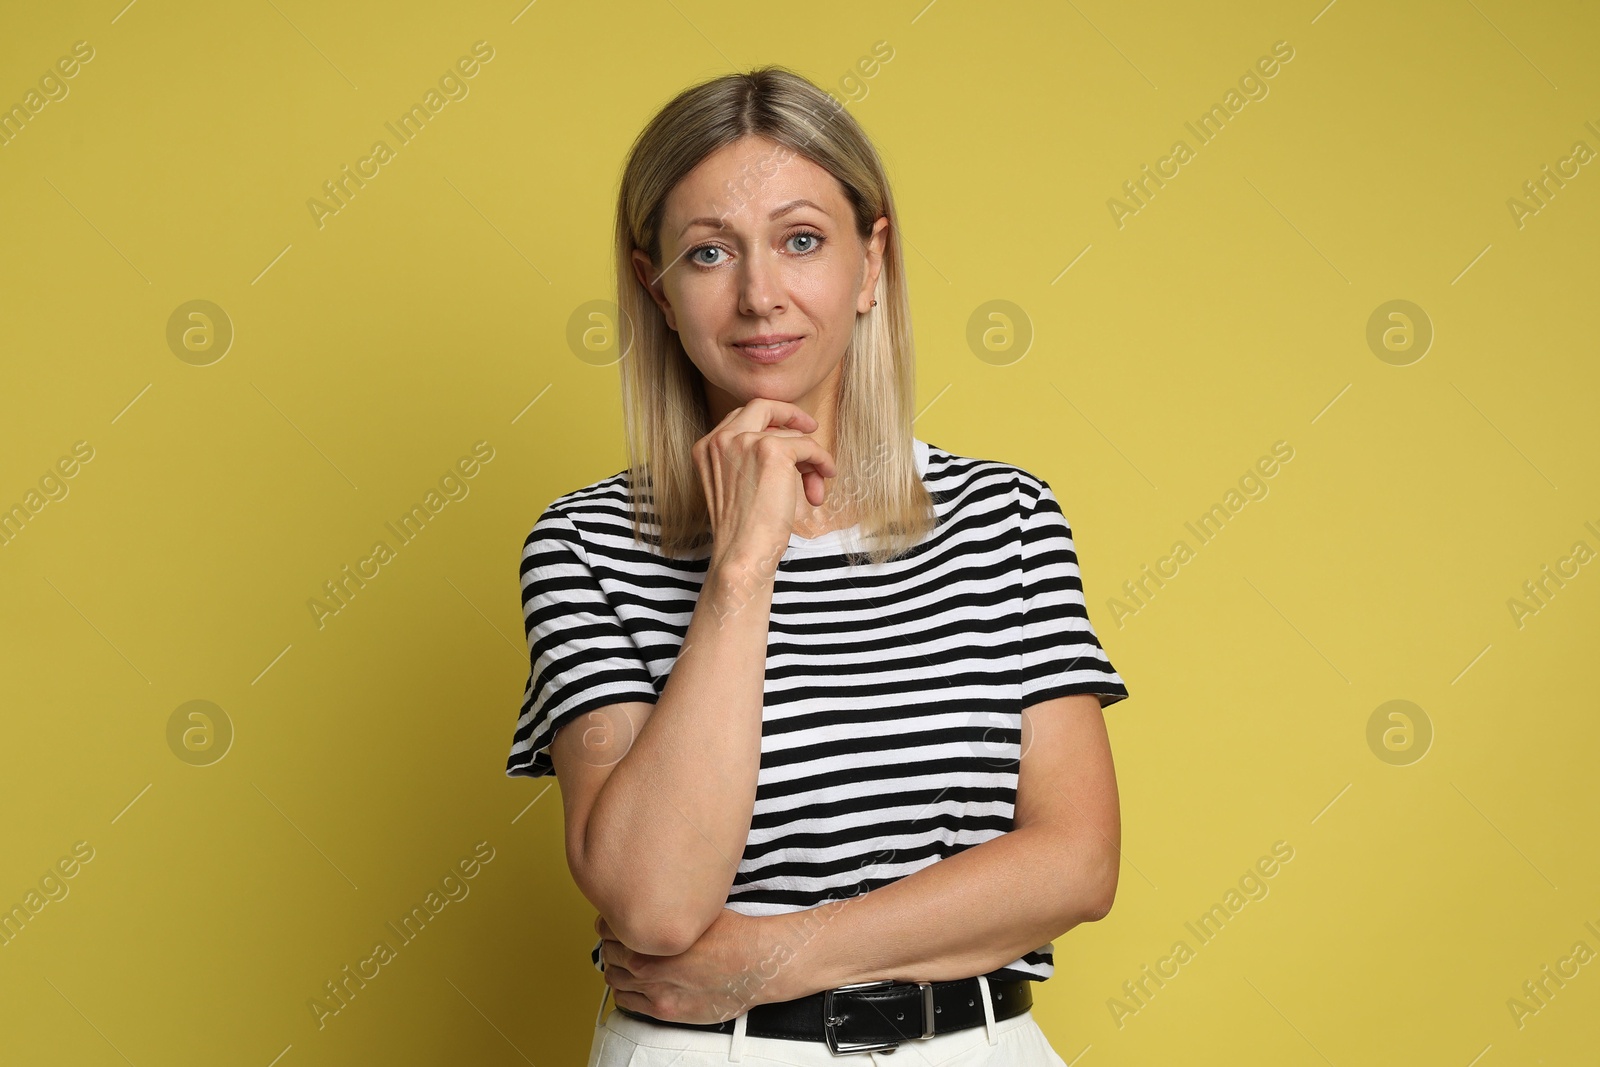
428, 314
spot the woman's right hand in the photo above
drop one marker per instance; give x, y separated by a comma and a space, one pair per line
753, 465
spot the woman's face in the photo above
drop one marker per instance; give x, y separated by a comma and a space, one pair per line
759, 245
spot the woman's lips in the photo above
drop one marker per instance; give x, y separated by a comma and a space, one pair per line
769, 353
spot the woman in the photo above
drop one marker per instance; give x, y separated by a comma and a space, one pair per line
839, 772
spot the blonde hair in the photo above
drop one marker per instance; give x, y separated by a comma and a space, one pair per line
664, 406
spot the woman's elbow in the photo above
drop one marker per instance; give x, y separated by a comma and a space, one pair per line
643, 922
658, 928
1094, 890
652, 937
1102, 887
1098, 906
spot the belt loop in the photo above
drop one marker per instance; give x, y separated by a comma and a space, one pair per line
988, 1009
736, 1048
601, 1014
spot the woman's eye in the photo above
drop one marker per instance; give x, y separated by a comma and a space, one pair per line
706, 255
815, 240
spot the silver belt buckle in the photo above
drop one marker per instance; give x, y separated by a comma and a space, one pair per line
829, 1020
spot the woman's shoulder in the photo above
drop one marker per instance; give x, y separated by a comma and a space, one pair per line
962, 477
591, 511
607, 496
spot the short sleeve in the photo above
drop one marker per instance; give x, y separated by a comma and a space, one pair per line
580, 657
1060, 653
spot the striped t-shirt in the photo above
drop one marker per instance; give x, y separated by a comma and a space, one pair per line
892, 715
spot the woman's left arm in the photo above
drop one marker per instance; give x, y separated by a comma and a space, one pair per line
969, 914
982, 908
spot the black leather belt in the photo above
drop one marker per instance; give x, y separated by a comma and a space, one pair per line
875, 1016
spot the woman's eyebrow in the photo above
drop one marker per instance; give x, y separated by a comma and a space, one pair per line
716, 221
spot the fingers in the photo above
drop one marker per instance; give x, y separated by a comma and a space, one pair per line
621, 979
784, 446
614, 955
805, 453
762, 416
816, 492
762, 412
751, 446
812, 472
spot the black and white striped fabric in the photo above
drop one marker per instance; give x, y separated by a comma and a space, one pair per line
891, 725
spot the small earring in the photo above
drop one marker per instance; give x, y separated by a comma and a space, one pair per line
874, 303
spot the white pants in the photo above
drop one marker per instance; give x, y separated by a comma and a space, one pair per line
622, 1041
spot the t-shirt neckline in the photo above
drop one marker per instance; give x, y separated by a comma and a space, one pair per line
838, 539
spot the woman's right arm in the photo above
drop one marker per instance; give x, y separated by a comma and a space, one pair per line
659, 798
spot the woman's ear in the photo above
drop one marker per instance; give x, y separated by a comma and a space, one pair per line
645, 271
875, 242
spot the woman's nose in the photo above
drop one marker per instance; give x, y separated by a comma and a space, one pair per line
760, 288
